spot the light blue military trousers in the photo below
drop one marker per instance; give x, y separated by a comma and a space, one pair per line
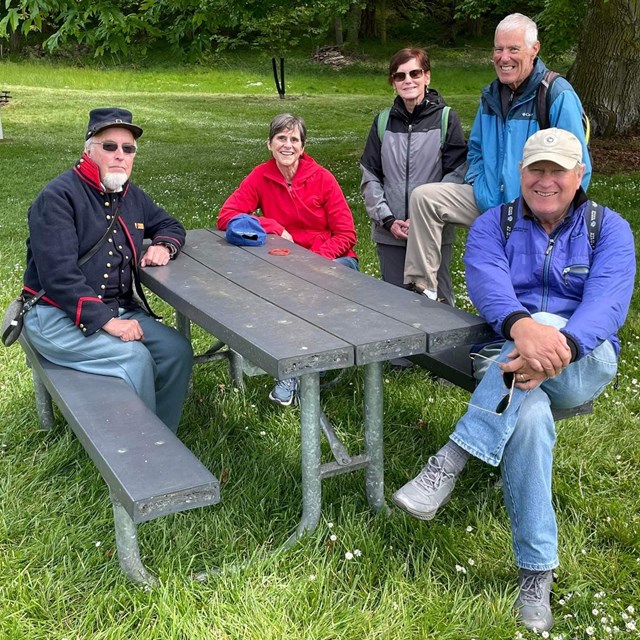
158, 367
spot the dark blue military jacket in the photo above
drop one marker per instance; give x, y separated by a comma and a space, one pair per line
66, 220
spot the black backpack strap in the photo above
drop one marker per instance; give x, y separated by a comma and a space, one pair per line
508, 213
593, 213
542, 98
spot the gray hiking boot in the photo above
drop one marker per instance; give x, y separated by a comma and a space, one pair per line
429, 490
533, 602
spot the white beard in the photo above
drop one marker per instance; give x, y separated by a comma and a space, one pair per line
114, 181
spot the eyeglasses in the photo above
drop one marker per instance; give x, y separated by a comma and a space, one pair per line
414, 74
127, 147
509, 379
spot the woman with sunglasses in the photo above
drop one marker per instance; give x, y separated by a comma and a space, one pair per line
405, 152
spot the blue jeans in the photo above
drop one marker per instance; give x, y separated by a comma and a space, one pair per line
521, 441
158, 367
351, 263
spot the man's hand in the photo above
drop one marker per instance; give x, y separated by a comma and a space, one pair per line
286, 235
157, 255
126, 330
542, 347
526, 377
400, 229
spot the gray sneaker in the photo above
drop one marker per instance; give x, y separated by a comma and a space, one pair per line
533, 602
285, 391
428, 491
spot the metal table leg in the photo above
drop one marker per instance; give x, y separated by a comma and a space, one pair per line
373, 420
310, 439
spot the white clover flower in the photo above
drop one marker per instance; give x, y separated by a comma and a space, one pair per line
545, 634
471, 562
348, 555
469, 529
595, 612
583, 552
333, 537
263, 433
590, 631
600, 595
330, 525
98, 543
630, 609
312, 577
357, 553
562, 602
631, 625
460, 569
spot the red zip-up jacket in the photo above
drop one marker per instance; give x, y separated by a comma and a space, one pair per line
312, 209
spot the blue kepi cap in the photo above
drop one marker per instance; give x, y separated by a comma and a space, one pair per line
245, 230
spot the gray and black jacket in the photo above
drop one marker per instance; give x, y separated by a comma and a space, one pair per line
408, 156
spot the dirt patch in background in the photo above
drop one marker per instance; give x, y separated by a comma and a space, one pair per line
616, 155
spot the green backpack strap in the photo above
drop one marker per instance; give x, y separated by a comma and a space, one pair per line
383, 119
444, 125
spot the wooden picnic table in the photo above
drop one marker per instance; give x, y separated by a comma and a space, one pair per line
298, 314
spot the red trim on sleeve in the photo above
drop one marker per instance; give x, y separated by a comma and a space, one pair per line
81, 301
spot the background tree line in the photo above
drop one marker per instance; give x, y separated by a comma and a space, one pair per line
605, 34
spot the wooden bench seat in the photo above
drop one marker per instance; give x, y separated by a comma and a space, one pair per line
149, 471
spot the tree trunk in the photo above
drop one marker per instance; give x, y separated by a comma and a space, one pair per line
354, 19
606, 73
382, 15
337, 28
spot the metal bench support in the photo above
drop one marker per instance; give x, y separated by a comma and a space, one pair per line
127, 544
44, 405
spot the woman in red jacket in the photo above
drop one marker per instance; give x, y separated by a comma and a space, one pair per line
300, 201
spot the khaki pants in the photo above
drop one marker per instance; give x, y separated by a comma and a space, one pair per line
431, 207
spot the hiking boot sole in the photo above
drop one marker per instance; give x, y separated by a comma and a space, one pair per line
420, 515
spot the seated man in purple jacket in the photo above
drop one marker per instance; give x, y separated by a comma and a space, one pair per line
556, 292
93, 315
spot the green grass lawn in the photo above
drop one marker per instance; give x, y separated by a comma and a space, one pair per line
205, 128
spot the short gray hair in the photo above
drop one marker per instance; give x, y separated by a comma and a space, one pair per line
87, 143
287, 122
519, 21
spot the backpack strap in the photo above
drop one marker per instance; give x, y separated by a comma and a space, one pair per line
444, 124
542, 98
383, 119
508, 217
593, 214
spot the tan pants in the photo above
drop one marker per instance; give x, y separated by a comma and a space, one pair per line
431, 207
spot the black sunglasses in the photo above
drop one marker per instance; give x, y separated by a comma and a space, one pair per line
127, 147
399, 76
509, 379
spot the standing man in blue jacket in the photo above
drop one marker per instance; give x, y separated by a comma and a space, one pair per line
557, 296
506, 117
84, 251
